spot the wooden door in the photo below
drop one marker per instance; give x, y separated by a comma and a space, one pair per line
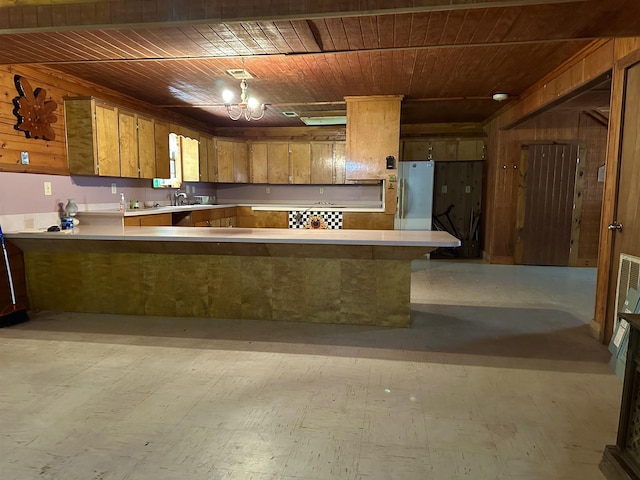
258, 162
627, 204
107, 140
278, 163
146, 148
300, 160
322, 172
459, 183
549, 200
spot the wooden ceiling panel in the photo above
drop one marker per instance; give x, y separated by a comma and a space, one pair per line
453, 58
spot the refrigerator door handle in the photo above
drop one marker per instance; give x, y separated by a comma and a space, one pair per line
404, 198
399, 198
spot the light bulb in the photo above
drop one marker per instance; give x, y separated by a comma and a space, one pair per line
227, 96
253, 103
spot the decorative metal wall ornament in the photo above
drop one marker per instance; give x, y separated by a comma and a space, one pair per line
316, 222
34, 112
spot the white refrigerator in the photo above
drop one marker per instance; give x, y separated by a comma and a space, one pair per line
415, 195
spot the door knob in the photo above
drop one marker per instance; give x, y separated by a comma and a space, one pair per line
615, 226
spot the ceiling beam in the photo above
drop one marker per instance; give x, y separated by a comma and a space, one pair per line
310, 54
25, 16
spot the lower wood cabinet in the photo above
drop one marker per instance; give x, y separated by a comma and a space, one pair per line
215, 217
155, 220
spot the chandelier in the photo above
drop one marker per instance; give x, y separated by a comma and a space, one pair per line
249, 108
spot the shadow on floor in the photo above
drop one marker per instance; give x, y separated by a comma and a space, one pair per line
469, 335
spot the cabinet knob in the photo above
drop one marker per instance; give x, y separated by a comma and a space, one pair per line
615, 226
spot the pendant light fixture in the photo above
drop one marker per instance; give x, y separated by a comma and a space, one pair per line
249, 107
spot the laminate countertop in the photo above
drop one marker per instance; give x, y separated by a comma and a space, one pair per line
400, 238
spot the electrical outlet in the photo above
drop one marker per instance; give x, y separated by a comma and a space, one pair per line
444, 189
321, 190
114, 188
467, 189
47, 188
24, 156
268, 190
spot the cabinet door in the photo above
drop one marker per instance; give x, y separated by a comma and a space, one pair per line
82, 153
107, 141
157, 220
416, 150
444, 150
240, 162
258, 165
322, 163
131, 221
470, 149
190, 159
146, 148
163, 161
278, 163
204, 158
300, 161
128, 140
212, 164
373, 133
224, 156
339, 167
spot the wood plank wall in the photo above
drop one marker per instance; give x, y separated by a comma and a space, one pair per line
504, 161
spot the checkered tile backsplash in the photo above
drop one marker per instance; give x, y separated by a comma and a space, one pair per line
333, 220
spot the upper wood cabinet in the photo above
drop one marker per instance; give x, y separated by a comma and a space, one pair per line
278, 163
128, 144
146, 147
190, 159
232, 160
472, 149
103, 139
300, 162
444, 149
373, 133
162, 155
92, 137
203, 159
240, 162
258, 162
339, 162
224, 160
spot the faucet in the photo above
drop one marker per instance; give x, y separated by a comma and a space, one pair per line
177, 196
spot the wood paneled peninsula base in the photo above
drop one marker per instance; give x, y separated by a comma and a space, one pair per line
360, 277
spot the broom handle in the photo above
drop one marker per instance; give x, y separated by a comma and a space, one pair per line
6, 262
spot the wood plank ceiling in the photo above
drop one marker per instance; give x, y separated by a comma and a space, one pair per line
446, 57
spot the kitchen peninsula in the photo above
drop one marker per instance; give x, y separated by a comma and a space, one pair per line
358, 277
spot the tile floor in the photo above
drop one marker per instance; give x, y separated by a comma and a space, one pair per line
497, 379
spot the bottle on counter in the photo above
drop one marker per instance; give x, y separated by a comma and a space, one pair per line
122, 202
